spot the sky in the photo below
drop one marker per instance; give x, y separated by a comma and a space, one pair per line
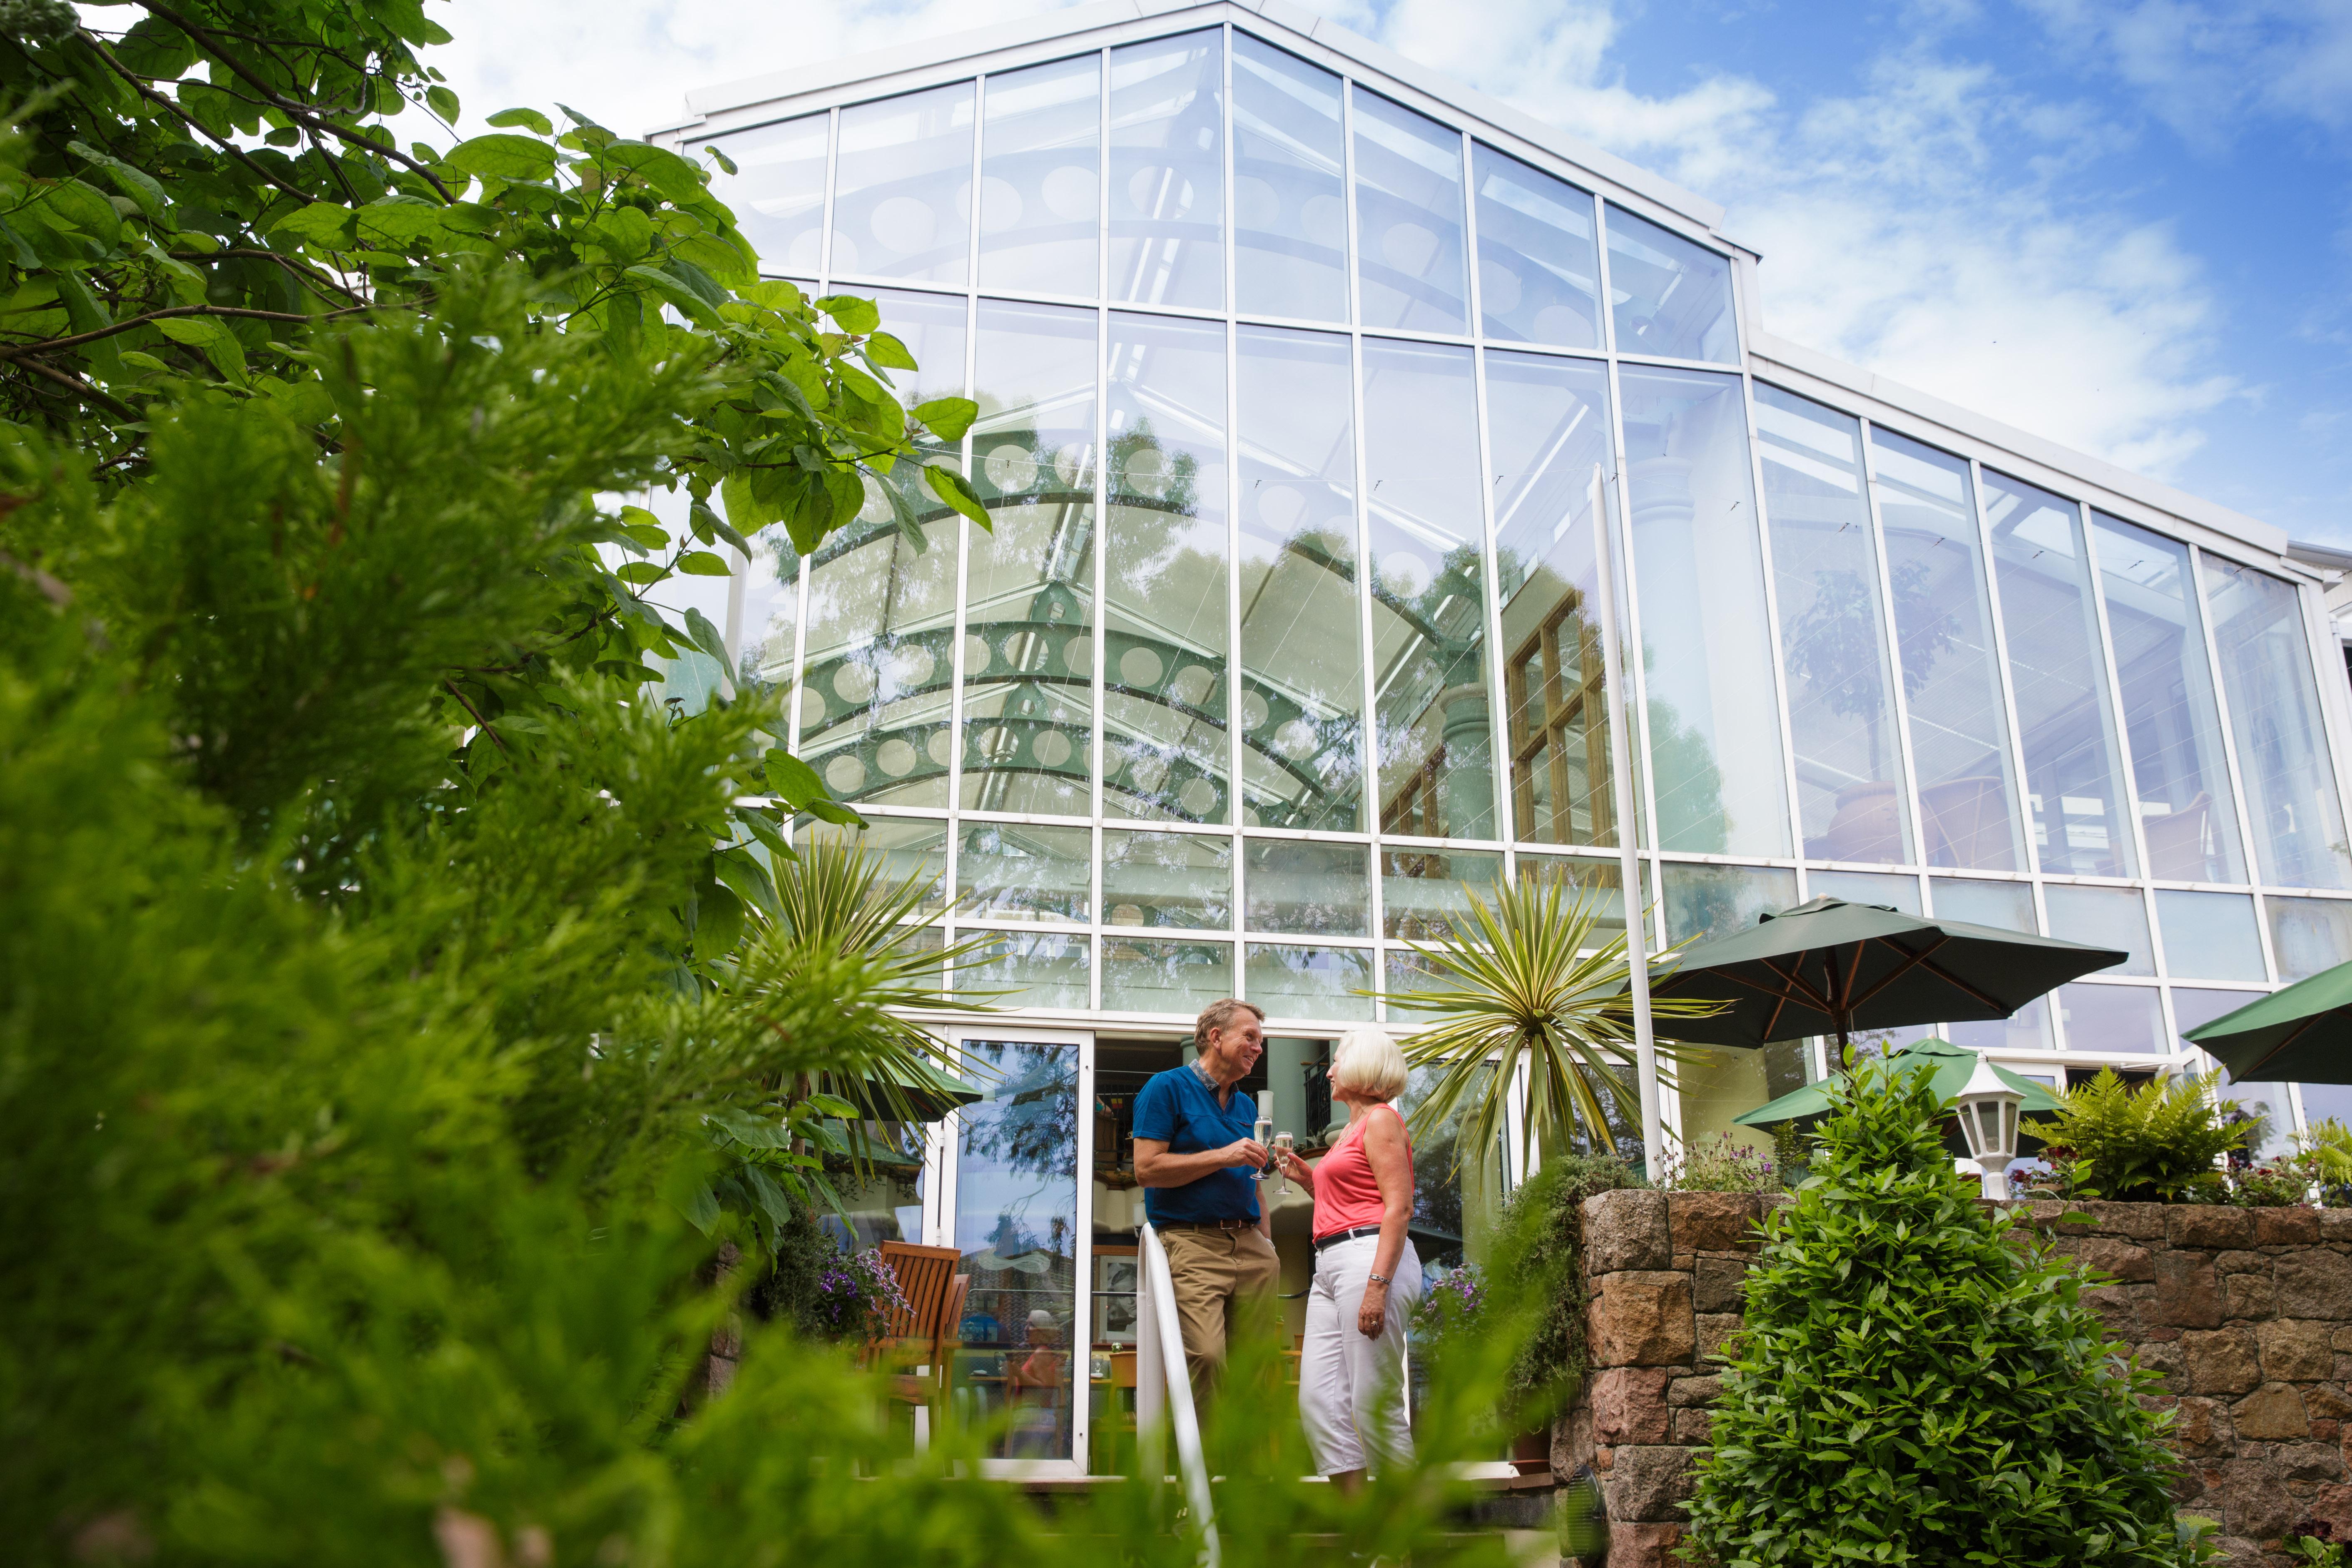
2121, 225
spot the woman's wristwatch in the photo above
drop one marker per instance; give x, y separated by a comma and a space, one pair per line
1378, 1278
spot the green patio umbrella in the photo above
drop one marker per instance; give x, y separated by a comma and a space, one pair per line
1953, 1064
2303, 1033
1829, 967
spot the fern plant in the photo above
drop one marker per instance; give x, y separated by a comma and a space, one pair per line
2158, 1141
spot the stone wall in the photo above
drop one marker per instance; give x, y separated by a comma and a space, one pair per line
2246, 1312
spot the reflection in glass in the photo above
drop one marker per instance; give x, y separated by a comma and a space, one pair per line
1710, 902
1943, 639
1011, 871
902, 192
2321, 1101
1599, 884
1309, 981
1425, 893
1168, 172
1668, 297
2209, 936
1168, 879
2188, 811
1156, 976
1041, 178
2266, 1103
1302, 659
2308, 935
907, 846
2126, 1018
1547, 431
2103, 917
2004, 906
1306, 887
777, 193
2299, 838
1027, 968
1409, 254
1456, 1199
1028, 642
1833, 643
770, 612
1719, 1084
1016, 1221
1164, 667
879, 678
1435, 732
1866, 887
1714, 730
2073, 771
1290, 215
1538, 277
2027, 1029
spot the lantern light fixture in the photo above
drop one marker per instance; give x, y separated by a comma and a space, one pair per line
1987, 1112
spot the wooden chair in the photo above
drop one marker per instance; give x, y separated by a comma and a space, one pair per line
919, 1335
2176, 842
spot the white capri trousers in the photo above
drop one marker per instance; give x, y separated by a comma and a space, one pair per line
1350, 1388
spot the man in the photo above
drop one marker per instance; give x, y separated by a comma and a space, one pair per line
1196, 1158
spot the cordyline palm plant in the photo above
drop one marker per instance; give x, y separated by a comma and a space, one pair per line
1530, 977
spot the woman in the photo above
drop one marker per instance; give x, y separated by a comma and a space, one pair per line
1367, 1278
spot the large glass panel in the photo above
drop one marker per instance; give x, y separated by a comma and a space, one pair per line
1012, 871
2187, 809
1016, 1224
1168, 172
1029, 654
777, 193
2274, 719
2264, 1103
1165, 699
914, 847
2027, 1029
2308, 935
1168, 879
2074, 768
1717, 1085
1028, 969
1425, 893
902, 190
1290, 213
1547, 433
1601, 884
1309, 981
880, 673
1668, 297
1151, 976
1302, 659
1866, 887
1841, 717
1409, 252
1715, 729
1538, 281
2004, 906
1704, 902
1041, 179
2209, 936
1306, 887
2112, 1019
770, 612
1435, 735
1943, 640
2103, 917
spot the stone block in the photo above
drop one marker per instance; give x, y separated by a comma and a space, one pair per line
2201, 1428
1714, 1330
2336, 1226
1693, 1390
1629, 1405
2326, 1402
2332, 1506
1637, 1545
2221, 1361
2287, 1228
2308, 1461
1643, 1319
2188, 1292
2253, 1296
2163, 1358
1719, 1284
2252, 1504
2140, 1222
2314, 1284
1645, 1483
2122, 1259
1626, 1230
1714, 1222
1694, 1428
2209, 1225
2295, 1351
2271, 1414
2243, 1263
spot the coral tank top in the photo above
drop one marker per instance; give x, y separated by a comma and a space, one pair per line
1347, 1195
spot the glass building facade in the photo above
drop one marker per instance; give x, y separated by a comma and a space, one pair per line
1307, 397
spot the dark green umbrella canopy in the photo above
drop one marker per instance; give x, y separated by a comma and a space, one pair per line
1952, 1064
2303, 1033
1829, 967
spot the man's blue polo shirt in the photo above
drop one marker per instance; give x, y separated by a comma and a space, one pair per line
1180, 1108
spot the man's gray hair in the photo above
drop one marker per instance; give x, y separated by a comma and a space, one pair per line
1220, 1015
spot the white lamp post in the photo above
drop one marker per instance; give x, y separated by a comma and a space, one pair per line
1987, 1109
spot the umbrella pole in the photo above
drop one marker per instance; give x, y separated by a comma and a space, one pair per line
1620, 783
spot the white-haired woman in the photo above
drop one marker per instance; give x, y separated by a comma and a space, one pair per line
1367, 1278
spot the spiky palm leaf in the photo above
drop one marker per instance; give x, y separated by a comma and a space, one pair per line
1513, 982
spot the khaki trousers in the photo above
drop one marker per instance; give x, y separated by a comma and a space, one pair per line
1222, 1278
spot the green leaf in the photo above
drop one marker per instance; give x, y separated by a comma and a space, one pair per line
956, 491
831, 811
832, 1105
717, 920
323, 224
711, 151
640, 574
854, 314
701, 1209
948, 418
398, 222
690, 305
532, 118
703, 564
706, 636
136, 184
891, 354
210, 335
443, 102
504, 157
664, 169
707, 524
746, 511
794, 781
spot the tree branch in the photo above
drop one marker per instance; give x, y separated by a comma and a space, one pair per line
105, 52
75, 383
263, 253
17, 350
479, 722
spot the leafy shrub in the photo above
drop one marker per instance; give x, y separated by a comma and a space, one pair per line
2156, 1142
1453, 1304
2324, 1151
1918, 1383
1721, 1165
2273, 1184
1539, 1251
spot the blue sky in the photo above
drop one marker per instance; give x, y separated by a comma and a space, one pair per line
2125, 225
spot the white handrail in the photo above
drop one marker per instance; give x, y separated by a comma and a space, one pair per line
1161, 1377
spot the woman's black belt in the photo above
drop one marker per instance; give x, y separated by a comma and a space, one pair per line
1337, 1236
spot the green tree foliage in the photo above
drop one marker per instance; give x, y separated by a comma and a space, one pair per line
1919, 1382
2156, 1141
